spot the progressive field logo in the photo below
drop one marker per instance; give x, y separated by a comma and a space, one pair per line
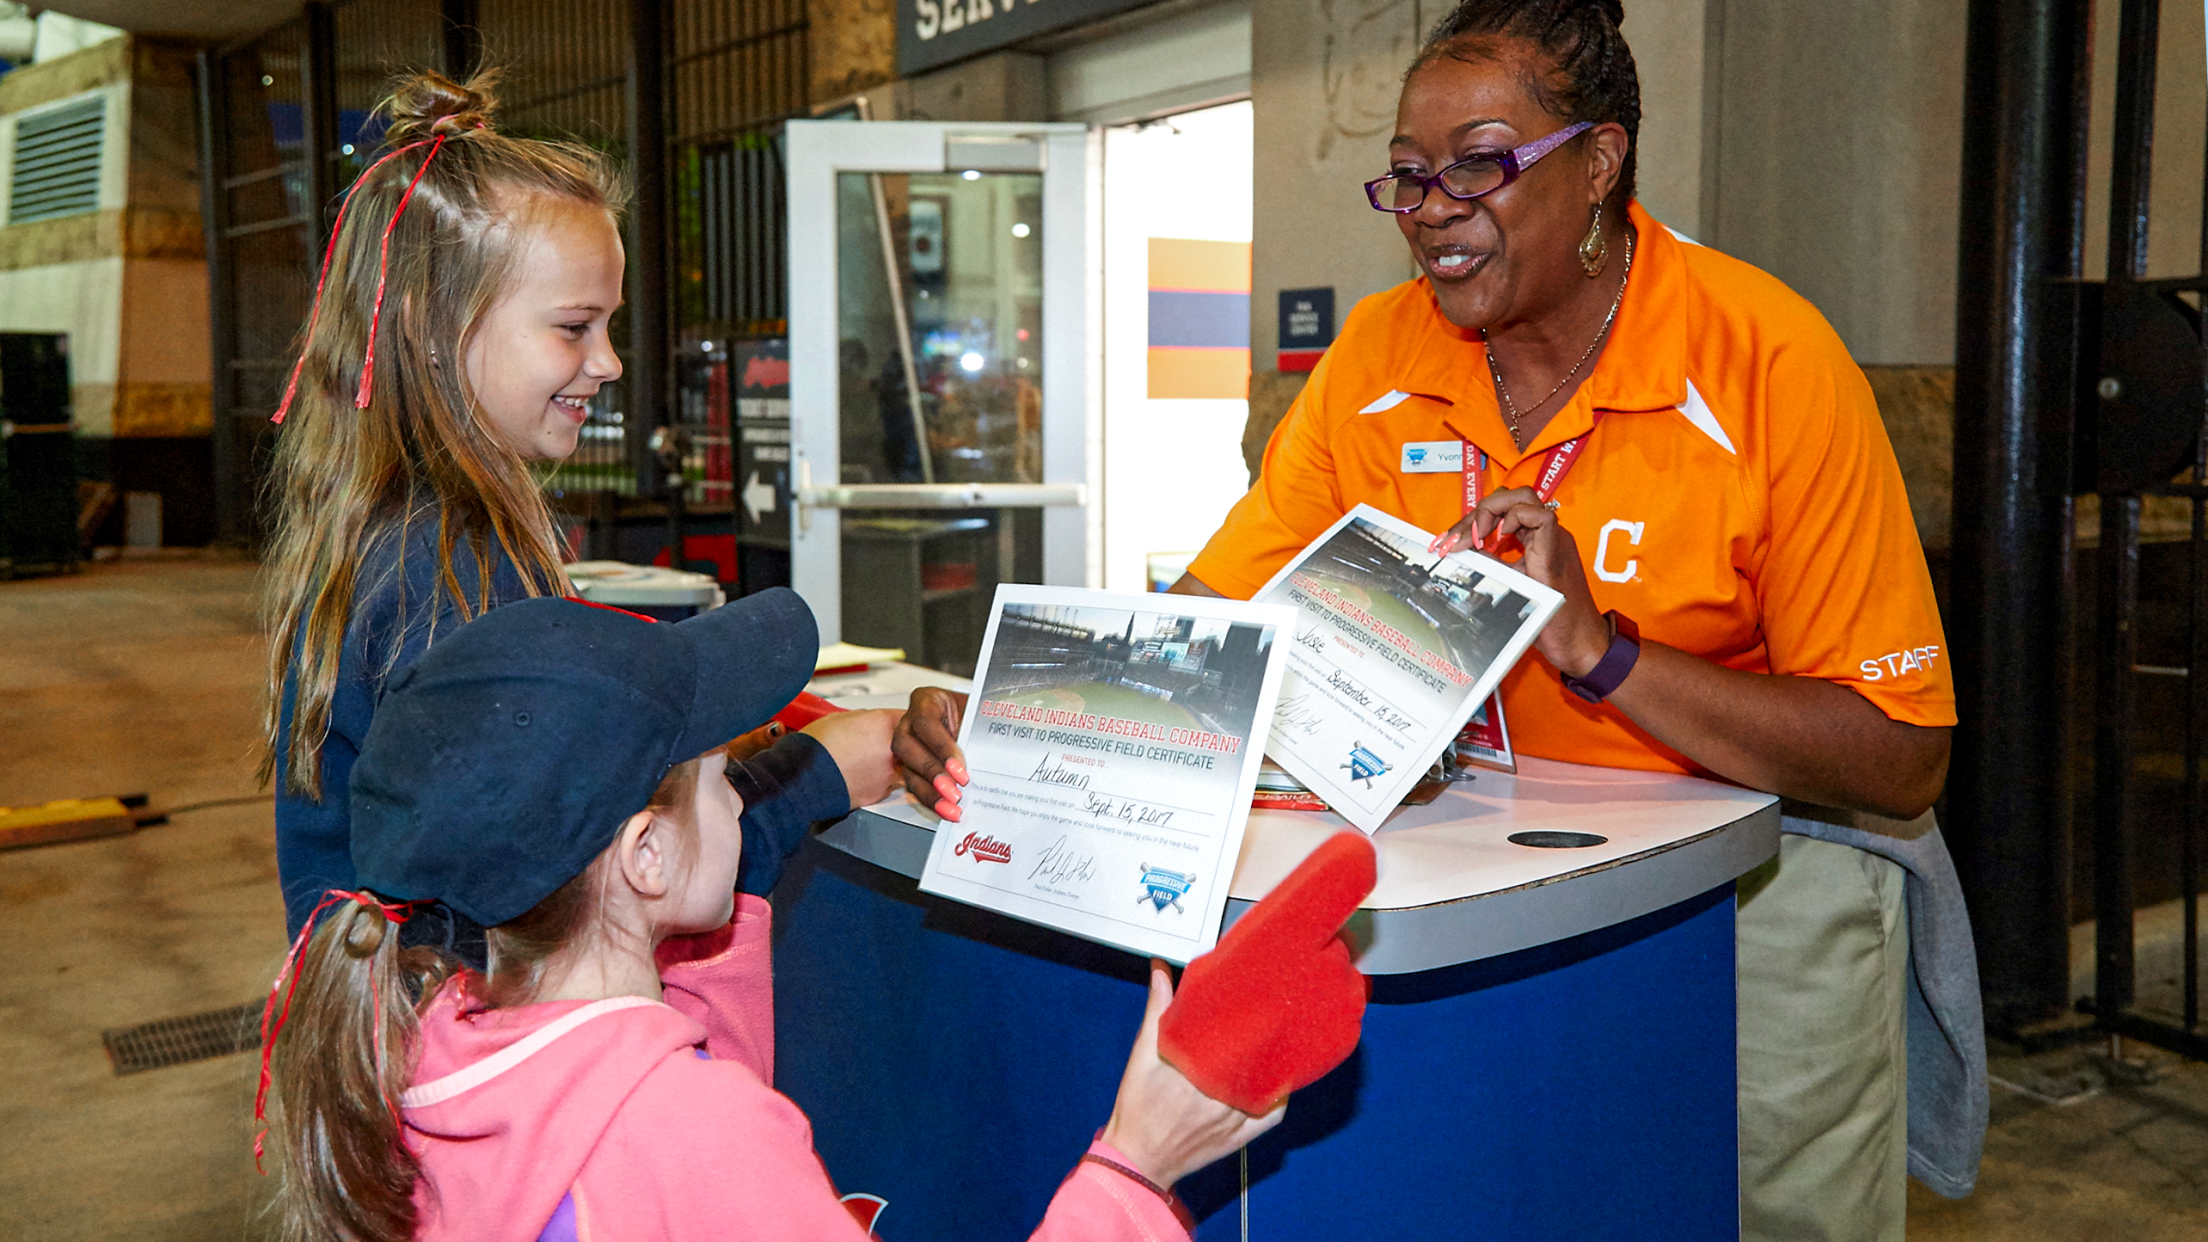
983, 849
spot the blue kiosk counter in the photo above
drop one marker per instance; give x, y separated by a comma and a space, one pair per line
1549, 1052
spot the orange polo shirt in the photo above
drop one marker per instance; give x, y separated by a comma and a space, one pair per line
1739, 500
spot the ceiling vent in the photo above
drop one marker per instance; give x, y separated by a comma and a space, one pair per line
57, 161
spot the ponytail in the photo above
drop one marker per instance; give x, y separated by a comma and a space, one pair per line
339, 1037
338, 1064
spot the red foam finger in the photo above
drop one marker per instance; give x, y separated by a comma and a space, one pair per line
1308, 907
1278, 1003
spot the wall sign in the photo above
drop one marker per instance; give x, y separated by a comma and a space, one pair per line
1306, 327
937, 32
762, 483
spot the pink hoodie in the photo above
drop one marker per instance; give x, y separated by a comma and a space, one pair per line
592, 1120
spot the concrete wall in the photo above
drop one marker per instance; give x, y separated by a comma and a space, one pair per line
1837, 138
1324, 75
1671, 42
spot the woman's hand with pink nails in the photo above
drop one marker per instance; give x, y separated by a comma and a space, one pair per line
926, 747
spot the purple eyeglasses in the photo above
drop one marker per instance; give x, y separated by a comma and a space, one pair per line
1404, 192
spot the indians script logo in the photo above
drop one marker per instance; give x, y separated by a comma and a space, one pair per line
984, 849
865, 1209
1162, 888
762, 372
1363, 765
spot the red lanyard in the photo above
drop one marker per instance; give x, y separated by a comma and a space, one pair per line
1553, 469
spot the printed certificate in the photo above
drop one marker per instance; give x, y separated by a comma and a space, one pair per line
1394, 650
1113, 742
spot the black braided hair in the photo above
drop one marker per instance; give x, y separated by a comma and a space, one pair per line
1592, 77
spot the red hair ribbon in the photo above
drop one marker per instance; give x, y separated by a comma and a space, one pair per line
273, 1018
360, 399
591, 603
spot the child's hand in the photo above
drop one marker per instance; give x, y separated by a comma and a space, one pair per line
859, 743
1164, 1126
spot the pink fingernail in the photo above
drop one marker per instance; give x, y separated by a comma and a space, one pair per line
957, 769
948, 811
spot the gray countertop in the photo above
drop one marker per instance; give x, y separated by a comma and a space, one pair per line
1453, 885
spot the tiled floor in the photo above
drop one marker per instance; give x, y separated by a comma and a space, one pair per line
2108, 1162
146, 676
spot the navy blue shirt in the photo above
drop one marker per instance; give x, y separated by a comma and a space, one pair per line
398, 609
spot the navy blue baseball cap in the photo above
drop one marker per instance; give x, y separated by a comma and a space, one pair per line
506, 758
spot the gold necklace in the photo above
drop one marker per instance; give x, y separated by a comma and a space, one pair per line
1510, 411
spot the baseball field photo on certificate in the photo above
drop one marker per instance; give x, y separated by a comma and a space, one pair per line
1395, 649
1113, 742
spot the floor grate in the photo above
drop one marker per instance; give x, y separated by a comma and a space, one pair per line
176, 1041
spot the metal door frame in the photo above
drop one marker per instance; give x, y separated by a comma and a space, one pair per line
1072, 345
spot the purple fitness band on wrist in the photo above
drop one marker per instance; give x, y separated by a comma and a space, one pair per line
1609, 672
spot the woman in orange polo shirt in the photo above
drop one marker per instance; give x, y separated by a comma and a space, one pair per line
1683, 447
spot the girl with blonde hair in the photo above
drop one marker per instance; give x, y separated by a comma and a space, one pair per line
459, 334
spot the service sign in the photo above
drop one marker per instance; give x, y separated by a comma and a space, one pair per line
1113, 742
937, 32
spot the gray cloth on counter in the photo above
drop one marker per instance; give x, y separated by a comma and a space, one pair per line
1947, 1027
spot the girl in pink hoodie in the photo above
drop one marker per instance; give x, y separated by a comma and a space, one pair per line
610, 1076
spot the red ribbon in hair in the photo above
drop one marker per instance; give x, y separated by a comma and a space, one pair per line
273, 1018
383, 263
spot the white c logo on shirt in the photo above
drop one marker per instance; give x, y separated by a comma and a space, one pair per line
1602, 550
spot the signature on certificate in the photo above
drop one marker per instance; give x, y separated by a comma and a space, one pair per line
1060, 864
1299, 715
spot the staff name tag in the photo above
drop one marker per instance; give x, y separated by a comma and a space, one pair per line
1433, 457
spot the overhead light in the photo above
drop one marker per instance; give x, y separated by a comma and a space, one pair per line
1020, 230
347, 148
971, 175
971, 361
267, 80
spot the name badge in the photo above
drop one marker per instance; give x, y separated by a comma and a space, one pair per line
1433, 457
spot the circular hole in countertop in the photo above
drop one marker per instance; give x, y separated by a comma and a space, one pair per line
1546, 840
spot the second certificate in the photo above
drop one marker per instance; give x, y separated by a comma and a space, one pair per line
1394, 648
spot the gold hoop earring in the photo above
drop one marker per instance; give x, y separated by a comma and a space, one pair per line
1594, 252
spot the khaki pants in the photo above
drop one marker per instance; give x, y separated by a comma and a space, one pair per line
1823, 944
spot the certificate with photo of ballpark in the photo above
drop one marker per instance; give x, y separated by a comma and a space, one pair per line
1394, 649
1113, 741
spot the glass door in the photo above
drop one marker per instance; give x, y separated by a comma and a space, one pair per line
944, 369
